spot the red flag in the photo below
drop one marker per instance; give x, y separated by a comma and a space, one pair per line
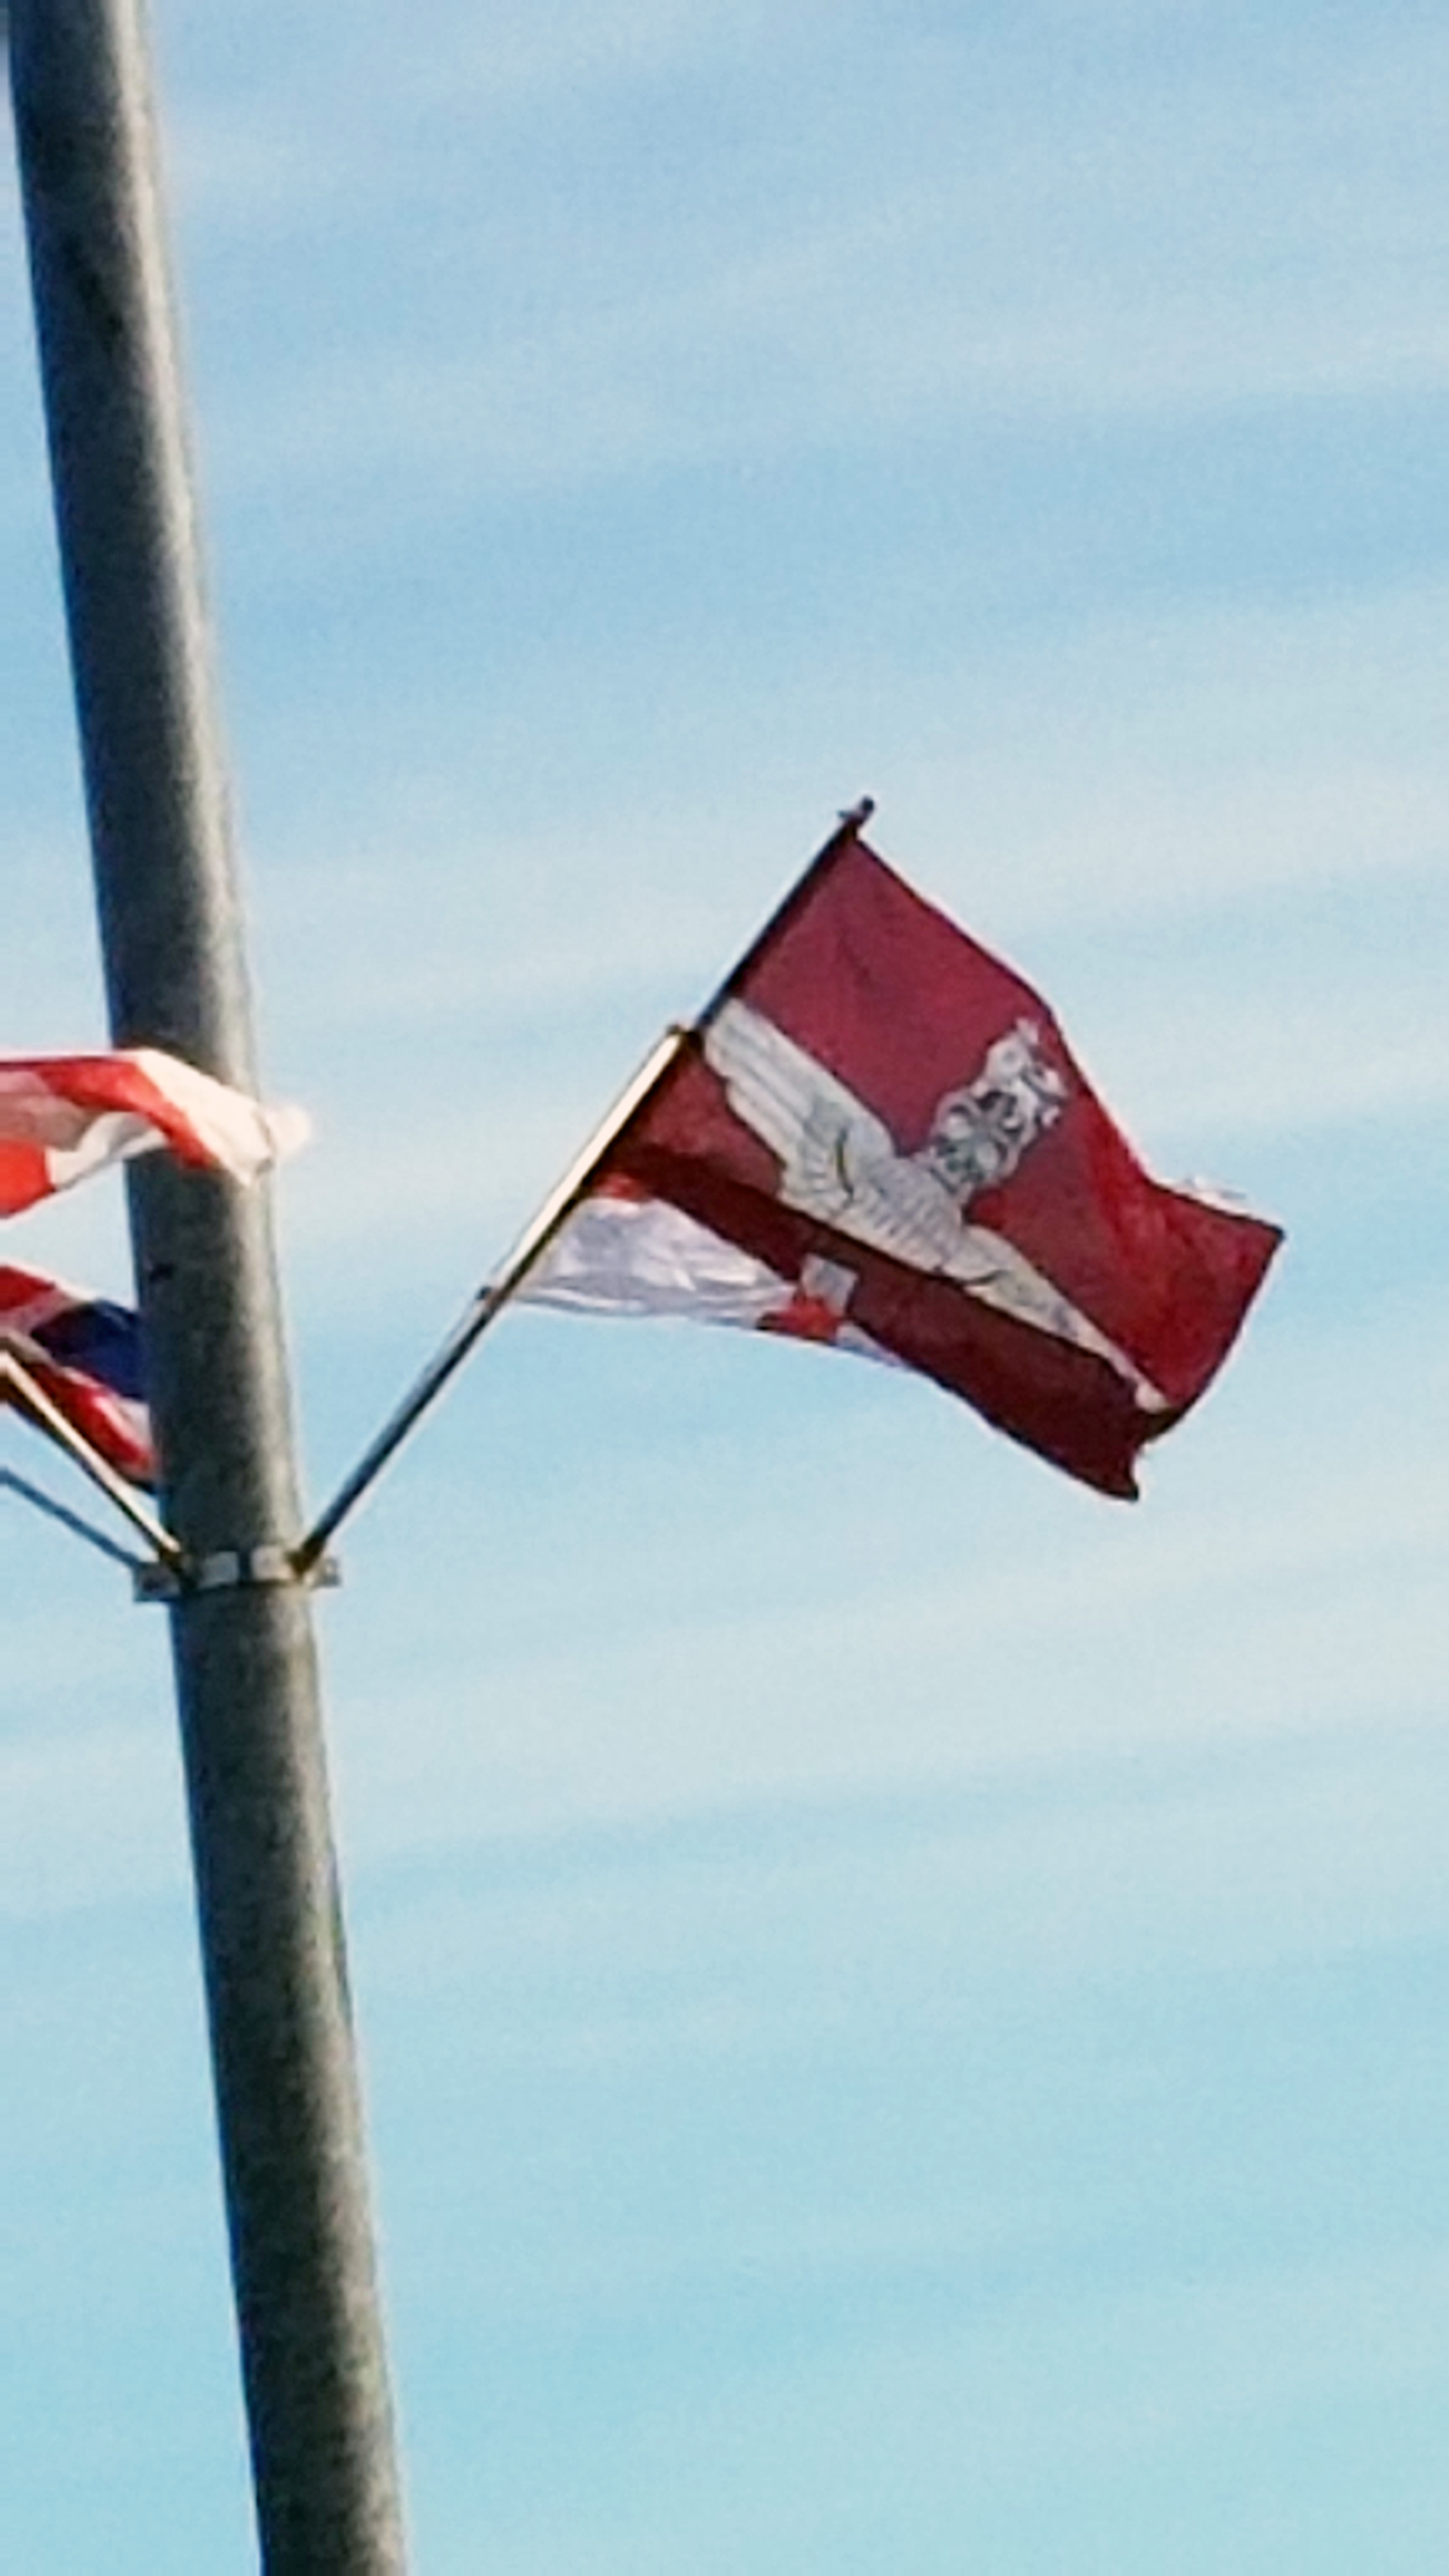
888, 1125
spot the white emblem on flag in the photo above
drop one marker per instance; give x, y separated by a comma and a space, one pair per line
980, 1133
620, 1254
815, 1310
839, 1162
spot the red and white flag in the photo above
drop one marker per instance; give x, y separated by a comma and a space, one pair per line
64, 1116
878, 1138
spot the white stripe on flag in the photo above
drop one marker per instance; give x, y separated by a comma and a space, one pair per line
621, 1255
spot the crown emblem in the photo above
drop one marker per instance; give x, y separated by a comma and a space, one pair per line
980, 1133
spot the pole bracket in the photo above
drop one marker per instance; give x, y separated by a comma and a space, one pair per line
235, 1569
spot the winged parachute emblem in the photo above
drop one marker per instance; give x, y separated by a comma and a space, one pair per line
1015, 1251
839, 1162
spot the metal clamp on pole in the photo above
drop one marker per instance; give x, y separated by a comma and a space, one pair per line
234, 1569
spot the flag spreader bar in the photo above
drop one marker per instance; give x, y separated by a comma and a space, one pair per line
494, 1295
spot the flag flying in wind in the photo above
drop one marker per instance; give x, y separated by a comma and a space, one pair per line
877, 1137
85, 1354
64, 1116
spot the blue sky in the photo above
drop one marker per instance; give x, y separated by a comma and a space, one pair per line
902, 2004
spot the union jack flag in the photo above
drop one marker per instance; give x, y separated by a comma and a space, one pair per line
64, 1116
86, 1355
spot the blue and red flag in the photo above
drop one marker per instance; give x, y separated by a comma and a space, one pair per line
85, 1353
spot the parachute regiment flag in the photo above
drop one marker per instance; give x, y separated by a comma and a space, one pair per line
62, 1117
878, 1138
875, 1136
85, 1354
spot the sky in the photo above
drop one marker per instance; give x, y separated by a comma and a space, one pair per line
902, 2003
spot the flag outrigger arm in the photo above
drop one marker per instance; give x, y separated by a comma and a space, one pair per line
53, 1510
558, 1207
493, 1296
19, 1386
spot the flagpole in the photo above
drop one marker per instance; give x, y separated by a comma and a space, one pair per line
493, 1296
847, 830
283, 2055
490, 1300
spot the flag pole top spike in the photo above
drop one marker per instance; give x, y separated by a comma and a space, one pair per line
855, 817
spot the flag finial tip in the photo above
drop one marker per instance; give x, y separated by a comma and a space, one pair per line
856, 816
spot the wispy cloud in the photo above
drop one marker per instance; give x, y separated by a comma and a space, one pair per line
834, 289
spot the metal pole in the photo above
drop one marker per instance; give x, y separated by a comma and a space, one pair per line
282, 2044
490, 1300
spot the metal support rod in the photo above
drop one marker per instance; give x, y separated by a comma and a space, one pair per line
25, 1392
283, 2054
490, 1300
849, 825
53, 1510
